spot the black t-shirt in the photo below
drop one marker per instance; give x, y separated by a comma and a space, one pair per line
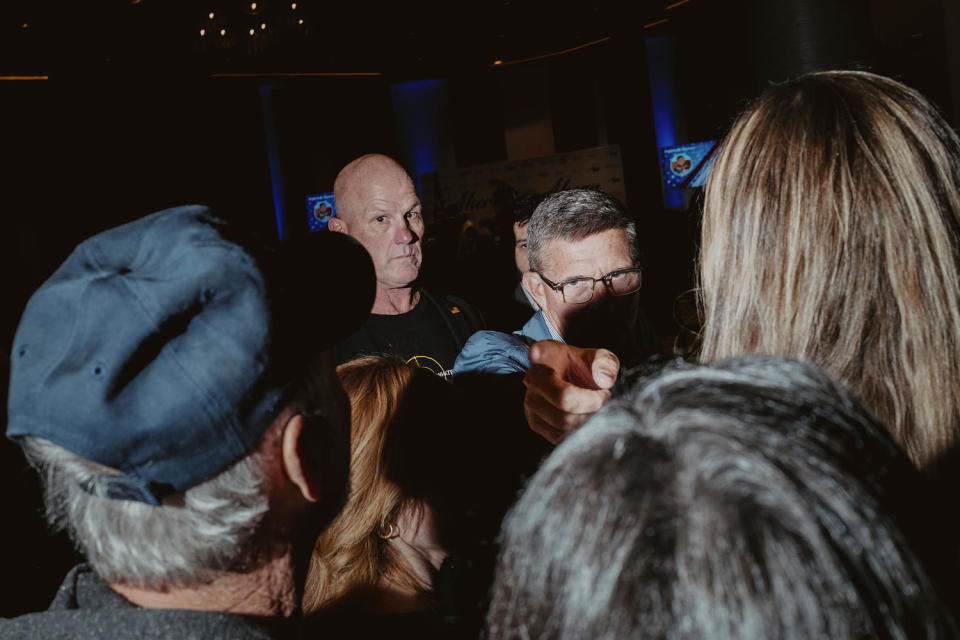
430, 335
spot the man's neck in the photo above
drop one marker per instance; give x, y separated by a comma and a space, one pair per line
392, 302
552, 327
266, 592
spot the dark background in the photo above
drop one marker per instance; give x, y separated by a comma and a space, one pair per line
114, 109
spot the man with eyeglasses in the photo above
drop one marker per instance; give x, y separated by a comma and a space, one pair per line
582, 248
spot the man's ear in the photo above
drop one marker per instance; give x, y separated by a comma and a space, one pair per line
536, 287
298, 452
336, 224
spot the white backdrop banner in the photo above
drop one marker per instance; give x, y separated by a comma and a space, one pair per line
476, 192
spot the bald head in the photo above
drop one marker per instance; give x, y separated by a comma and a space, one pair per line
378, 205
356, 183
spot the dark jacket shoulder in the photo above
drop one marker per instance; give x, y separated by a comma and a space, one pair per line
86, 608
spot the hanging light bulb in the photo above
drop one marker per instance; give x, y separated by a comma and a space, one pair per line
203, 32
210, 15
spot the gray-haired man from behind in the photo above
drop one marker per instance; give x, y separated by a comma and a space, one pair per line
188, 425
750, 498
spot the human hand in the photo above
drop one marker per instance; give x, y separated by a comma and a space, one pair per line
565, 386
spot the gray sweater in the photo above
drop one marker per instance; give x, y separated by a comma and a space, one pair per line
86, 608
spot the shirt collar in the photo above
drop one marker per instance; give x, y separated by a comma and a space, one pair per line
553, 332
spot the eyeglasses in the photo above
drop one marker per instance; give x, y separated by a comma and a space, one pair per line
622, 282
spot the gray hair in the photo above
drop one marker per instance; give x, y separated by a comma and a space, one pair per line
573, 215
210, 528
218, 525
752, 498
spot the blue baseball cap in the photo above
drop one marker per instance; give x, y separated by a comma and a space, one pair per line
164, 348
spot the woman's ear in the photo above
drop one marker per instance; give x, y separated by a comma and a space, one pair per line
537, 288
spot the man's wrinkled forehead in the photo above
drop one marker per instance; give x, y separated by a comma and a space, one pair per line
382, 190
575, 252
383, 199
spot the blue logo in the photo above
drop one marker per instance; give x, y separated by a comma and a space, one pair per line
686, 166
320, 208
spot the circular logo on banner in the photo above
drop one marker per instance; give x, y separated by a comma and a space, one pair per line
322, 212
680, 164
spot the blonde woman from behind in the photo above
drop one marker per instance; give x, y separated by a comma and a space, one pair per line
829, 234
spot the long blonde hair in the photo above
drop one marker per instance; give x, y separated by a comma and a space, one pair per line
351, 554
830, 234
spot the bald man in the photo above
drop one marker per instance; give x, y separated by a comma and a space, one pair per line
377, 204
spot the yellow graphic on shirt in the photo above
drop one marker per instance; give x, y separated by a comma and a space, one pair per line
431, 364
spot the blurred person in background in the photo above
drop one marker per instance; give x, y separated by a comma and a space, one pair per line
523, 209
